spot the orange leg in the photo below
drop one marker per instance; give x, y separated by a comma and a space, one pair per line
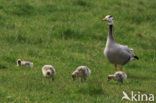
120, 68
115, 65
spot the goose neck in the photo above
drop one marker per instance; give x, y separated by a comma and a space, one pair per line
110, 34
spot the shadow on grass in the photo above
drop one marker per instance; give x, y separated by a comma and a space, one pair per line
112, 82
139, 77
2, 66
92, 89
82, 3
69, 33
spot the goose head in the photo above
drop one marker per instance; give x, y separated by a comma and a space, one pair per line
108, 18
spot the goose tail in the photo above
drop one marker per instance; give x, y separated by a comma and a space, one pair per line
136, 57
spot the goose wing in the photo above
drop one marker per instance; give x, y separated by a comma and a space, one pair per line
120, 54
126, 49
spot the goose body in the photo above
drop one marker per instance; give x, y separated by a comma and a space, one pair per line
118, 54
114, 52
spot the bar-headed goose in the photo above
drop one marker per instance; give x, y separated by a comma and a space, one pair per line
114, 52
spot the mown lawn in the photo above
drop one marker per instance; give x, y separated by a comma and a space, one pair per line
70, 33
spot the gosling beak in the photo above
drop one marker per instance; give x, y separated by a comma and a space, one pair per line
104, 19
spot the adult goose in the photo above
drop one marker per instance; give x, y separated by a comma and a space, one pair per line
114, 52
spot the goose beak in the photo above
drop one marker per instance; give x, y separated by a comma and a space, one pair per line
104, 19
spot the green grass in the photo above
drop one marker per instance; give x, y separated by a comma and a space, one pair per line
69, 33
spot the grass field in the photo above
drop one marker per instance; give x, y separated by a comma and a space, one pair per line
69, 33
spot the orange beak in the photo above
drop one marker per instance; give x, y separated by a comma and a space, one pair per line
104, 19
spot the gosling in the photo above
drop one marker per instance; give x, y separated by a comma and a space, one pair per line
48, 71
118, 76
82, 72
24, 63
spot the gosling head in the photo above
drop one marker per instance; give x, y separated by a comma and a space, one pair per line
74, 75
110, 77
48, 73
18, 62
108, 18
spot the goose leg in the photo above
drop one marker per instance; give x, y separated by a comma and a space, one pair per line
115, 65
120, 68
